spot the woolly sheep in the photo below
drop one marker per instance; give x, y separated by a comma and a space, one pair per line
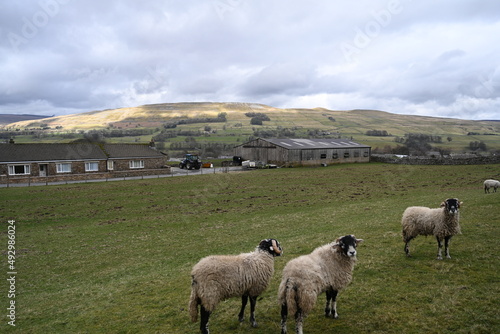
327, 269
219, 277
442, 222
491, 184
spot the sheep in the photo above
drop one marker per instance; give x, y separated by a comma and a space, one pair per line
327, 269
219, 277
491, 184
441, 222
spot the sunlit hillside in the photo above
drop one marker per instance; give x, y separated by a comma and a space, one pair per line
238, 126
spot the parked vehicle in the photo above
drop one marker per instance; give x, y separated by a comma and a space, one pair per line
190, 161
237, 161
257, 164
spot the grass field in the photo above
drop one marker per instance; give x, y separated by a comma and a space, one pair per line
116, 257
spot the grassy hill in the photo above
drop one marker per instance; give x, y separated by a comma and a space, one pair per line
238, 125
6, 119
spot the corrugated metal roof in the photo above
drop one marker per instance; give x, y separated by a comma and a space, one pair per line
315, 143
50, 152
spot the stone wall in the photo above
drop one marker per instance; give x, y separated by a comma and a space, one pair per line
414, 160
6, 179
149, 163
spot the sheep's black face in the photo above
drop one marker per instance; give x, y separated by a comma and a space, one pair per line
348, 245
452, 205
272, 246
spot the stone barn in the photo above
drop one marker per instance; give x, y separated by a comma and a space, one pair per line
303, 152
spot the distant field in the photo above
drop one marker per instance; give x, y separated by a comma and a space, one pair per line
115, 257
238, 127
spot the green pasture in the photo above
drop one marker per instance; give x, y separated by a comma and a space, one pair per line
115, 257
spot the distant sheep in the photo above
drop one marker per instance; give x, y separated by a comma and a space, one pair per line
327, 269
442, 222
219, 277
491, 184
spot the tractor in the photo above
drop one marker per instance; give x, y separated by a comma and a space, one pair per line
190, 161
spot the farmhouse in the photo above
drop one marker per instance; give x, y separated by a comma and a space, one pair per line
77, 161
303, 152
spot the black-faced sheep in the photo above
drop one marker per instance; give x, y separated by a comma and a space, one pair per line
327, 269
442, 222
491, 184
219, 277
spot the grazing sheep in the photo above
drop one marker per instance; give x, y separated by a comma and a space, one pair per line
491, 184
442, 222
219, 277
327, 269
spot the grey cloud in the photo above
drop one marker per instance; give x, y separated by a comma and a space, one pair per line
279, 79
92, 55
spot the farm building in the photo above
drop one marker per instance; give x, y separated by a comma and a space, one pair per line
303, 152
77, 161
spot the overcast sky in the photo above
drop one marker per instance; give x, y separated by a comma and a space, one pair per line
439, 58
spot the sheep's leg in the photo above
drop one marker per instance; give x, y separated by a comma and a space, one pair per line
440, 245
407, 246
447, 240
284, 315
331, 304
253, 302
244, 301
299, 321
204, 320
328, 309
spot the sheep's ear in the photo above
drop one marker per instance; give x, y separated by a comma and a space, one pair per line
460, 204
443, 204
358, 241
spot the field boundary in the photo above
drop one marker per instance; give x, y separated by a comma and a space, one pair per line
421, 160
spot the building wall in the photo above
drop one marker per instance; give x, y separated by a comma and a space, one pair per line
261, 150
329, 156
149, 163
121, 169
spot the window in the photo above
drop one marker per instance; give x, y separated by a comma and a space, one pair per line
19, 169
63, 168
356, 154
365, 154
111, 165
346, 155
323, 156
335, 156
91, 166
137, 164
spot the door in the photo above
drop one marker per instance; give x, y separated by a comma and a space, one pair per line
43, 170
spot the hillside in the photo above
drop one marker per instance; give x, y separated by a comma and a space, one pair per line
6, 119
197, 120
